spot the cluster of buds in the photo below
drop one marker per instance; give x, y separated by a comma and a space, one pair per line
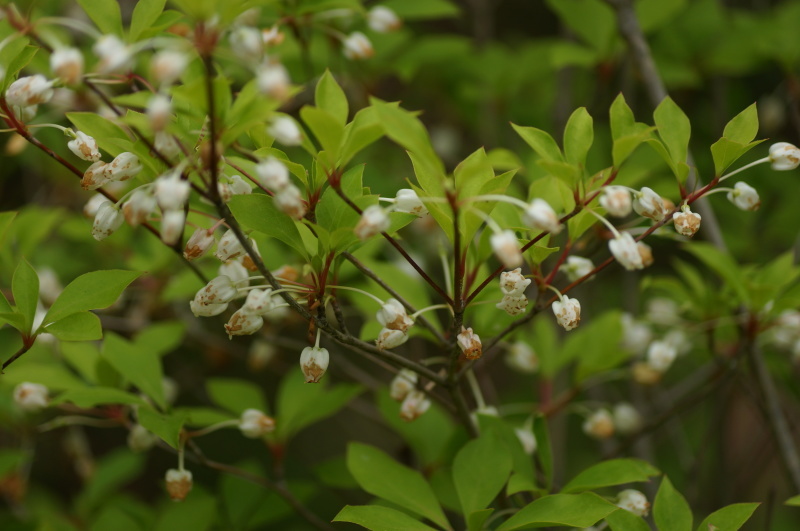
395, 322
603, 424
633, 501
31, 397
124, 166
513, 285
374, 220
273, 175
314, 362
521, 357
470, 344
254, 424
172, 193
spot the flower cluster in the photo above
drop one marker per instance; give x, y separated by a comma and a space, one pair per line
513, 286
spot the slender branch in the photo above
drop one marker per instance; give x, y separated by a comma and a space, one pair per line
391, 291
26, 346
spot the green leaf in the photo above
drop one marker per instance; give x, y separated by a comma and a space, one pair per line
422, 9
236, 395
729, 518
105, 14
382, 476
203, 416
743, 127
670, 510
578, 136
258, 212
623, 520
722, 264
25, 288
330, 97
5, 222
112, 471
476, 520
144, 15
480, 470
107, 134
406, 129
575, 510
162, 338
541, 142
613, 472
725, 152
621, 118
674, 129
544, 450
82, 326
168, 427
15, 56
16, 320
326, 128
91, 291
140, 366
197, 512
365, 129
94, 396
379, 518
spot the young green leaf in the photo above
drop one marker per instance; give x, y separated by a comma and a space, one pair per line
621, 117
573, 510
258, 212
105, 14
794, 501
330, 97
578, 136
81, 326
480, 470
91, 291
670, 510
743, 127
544, 450
25, 288
612, 472
379, 518
139, 366
729, 518
382, 476
168, 427
674, 129
622, 520
236, 395
326, 128
422, 9
144, 15
541, 142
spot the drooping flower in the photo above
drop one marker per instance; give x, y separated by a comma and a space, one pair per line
107, 220
599, 425
67, 65
624, 249
285, 130
577, 267
522, 357
506, 247
470, 343
687, 223
414, 405
243, 323
513, 305
357, 46
616, 200
29, 90
744, 196
407, 200
255, 424
393, 316
633, 501
649, 204
513, 282
567, 312
541, 216
381, 19
627, 418
314, 362
179, 483
31, 397
784, 156
198, 243
374, 220
388, 338
402, 384
138, 207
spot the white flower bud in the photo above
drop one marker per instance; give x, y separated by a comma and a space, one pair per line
627, 419
207, 310
616, 200
521, 357
541, 216
374, 220
687, 223
259, 301
107, 220
636, 336
140, 439
229, 247
505, 245
599, 425
527, 439
198, 244
30, 397
67, 65
744, 197
84, 147
567, 312
393, 316
663, 311
246, 43
166, 144
286, 131
172, 223
243, 323
649, 204
660, 355
219, 290
95, 176
645, 253
357, 46
314, 362
138, 207
381, 19
290, 202
115, 55
171, 191
513, 282
123, 167
577, 267
179, 483
272, 36
407, 201
30, 90
513, 305
272, 174
239, 186
625, 250
470, 343
402, 384
159, 111
93, 205
167, 66
255, 424
633, 501
273, 80
234, 270
414, 405
388, 338
784, 156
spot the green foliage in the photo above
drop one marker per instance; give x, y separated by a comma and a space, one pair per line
732, 517
379, 518
670, 510
612, 472
139, 366
572, 510
25, 288
674, 130
480, 470
90, 291
737, 139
